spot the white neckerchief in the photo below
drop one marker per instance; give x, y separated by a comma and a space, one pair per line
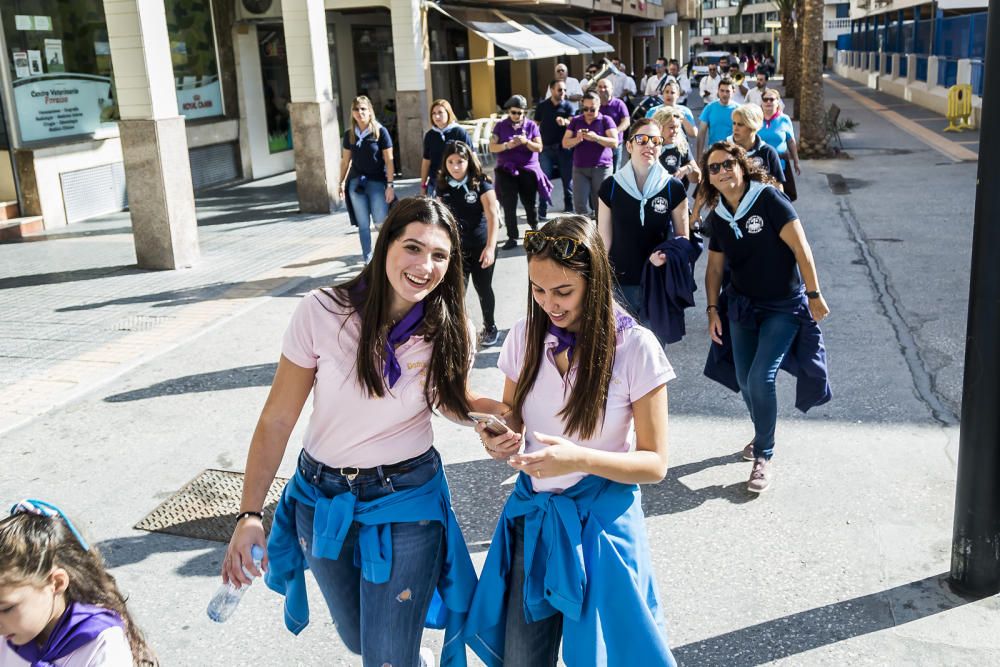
656, 180
756, 187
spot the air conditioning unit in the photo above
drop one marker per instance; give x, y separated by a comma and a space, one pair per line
258, 10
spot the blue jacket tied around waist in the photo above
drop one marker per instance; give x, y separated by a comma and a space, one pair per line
333, 518
669, 289
806, 358
593, 529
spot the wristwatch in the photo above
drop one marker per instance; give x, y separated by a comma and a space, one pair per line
390, 184
813, 295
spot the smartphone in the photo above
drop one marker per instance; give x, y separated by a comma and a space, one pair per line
494, 425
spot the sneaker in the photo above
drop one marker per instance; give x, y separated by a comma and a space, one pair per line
510, 244
489, 337
748, 452
426, 657
760, 476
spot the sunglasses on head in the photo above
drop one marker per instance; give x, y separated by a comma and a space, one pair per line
643, 139
562, 247
716, 167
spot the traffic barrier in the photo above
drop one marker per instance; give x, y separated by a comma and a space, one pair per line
959, 107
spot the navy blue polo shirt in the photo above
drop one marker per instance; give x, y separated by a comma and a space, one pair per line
366, 158
467, 207
762, 266
631, 242
434, 143
546, 114
765, 157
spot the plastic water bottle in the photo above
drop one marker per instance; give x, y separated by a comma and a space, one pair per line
228, 596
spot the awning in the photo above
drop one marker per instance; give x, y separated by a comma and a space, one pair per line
524, 36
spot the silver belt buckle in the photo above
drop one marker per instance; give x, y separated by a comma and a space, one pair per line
350, 476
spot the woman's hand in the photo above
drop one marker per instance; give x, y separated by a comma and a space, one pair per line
715, 326
249, 531
487, 256
557, 457
798, 172
341, 189
818, 308
390, 194
658, 258
499, 447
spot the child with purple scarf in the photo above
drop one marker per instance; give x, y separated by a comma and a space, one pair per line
59, 607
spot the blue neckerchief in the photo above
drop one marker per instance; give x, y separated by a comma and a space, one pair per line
399, 333
656, 180
361, 135
459, 184
444, 130
79, 625
756, 187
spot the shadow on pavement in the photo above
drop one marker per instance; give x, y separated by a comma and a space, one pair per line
122, 551
241, 377
226, 290
672, 496
77, 275
806, 630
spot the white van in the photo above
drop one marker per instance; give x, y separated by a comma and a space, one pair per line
699, 66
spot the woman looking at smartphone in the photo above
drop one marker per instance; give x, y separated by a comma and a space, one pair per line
381, 352
592, 137
580, 374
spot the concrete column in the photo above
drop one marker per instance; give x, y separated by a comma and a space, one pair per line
895, 66
911, 68
315, 129
964, 71
154, 144
483, 75
411, 56
932, 71
872, 61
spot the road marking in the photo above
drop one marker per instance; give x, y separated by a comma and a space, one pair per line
946, 147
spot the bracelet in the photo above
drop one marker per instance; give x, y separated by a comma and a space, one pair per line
709, 308
243, 515
390, 184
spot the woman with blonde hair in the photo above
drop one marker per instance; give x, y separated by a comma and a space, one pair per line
444, 128
366, 171
676, 155
747, 120
778, 132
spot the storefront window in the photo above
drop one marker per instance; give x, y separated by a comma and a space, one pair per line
60, 66
192, 50
277, 89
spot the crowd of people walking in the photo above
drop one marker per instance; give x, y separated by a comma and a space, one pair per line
582, 416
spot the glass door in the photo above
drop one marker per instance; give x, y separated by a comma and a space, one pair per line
277, 90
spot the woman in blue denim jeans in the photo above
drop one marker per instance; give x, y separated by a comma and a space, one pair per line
773, 298
367, 171
368, 509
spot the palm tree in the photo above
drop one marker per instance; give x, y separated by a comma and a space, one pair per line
812, 116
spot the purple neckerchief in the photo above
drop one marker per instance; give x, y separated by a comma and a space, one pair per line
566, 340
399, 333
79, 625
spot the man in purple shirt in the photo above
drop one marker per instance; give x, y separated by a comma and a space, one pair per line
616, 110
591, 136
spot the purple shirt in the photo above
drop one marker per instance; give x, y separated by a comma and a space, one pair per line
590, 153
521, 157
617, 110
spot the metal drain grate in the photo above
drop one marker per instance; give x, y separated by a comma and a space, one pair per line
206, 507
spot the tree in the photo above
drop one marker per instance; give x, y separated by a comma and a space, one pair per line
812, 115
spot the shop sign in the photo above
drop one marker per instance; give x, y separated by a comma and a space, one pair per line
644, 30
199, 101
61, 105
602, 25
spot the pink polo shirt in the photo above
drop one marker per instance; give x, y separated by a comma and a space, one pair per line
347, 427
640, 366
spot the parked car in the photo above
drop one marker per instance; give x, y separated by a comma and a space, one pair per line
699, 66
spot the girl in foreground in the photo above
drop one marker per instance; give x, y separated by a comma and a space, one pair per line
570, 559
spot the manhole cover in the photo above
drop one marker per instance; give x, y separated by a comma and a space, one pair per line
206, 507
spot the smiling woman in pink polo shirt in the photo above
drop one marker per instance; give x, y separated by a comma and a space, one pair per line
569, 559
368, 510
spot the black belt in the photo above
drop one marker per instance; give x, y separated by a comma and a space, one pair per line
352, 472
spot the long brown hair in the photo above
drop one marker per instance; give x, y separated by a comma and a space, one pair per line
594, 354
31, 546
707, 194
445, 323
474, 173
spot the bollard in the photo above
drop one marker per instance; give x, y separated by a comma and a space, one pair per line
959, 107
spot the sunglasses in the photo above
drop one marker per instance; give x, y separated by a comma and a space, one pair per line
716, 167
588, 109
562, 247
767, 99
515, 113
643, 139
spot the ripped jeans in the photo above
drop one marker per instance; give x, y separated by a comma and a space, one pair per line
381, 622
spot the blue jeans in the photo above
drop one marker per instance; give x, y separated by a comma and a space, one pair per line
552, 156
757, 353
616, 158
382, 622
369, 206
527, 644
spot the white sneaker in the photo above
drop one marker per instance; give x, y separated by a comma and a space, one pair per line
427, 657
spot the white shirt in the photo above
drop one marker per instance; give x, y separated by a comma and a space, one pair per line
652, 84
756, 96
573, 89
109, 649
738, 95
685, 84
710, 86
620, 84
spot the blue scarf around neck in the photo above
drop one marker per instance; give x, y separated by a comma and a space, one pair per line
756, 187
460, 184
361, 135
656, 180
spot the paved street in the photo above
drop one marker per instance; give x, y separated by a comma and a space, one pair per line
120, 386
